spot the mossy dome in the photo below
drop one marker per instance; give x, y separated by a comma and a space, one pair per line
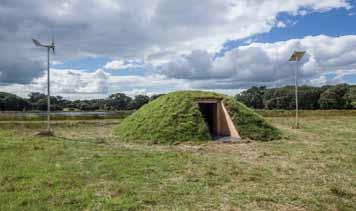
184, 116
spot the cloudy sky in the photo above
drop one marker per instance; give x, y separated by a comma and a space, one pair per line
157, 46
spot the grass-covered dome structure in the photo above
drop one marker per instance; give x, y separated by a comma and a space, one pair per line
194, 116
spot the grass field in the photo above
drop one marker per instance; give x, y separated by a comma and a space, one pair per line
41, 116
86, 168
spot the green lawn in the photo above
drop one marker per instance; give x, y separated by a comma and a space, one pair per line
86, 168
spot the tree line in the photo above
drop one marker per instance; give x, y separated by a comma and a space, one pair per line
38, 101
341, 96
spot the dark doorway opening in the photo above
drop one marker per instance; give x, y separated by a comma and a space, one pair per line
209, 111
218, 120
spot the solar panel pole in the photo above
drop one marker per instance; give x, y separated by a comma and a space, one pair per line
296, 97
296, 57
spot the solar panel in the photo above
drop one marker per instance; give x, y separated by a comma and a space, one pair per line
297, 56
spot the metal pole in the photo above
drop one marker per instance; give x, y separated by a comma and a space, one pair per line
48, 94
296, 97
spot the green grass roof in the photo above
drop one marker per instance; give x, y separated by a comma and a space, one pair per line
175, 117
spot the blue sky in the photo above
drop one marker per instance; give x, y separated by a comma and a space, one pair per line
334, 23
153, 47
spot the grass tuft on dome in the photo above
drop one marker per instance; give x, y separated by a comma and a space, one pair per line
176, 117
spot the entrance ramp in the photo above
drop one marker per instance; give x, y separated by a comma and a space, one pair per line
218, 120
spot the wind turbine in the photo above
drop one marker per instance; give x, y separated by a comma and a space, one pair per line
49, 48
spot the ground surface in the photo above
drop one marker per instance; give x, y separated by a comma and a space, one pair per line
86, 168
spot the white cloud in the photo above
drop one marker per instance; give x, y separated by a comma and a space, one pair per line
108, 5
55, 62
151, 83
156, 33
265, 63
120, 64
113, 65
139, 29
79, 84
67, 81
256, 64
281, 24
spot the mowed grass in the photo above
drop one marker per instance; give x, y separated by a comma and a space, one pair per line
85, 167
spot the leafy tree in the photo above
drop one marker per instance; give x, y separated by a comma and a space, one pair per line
284, 97
336, 97
341, 96
252, 97
34, 97
279, 98
119, 101
309, 97
11, 102
39, 102
139, 101
353, 96
153, 97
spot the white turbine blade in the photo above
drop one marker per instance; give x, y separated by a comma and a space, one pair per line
53, 45
37, 43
